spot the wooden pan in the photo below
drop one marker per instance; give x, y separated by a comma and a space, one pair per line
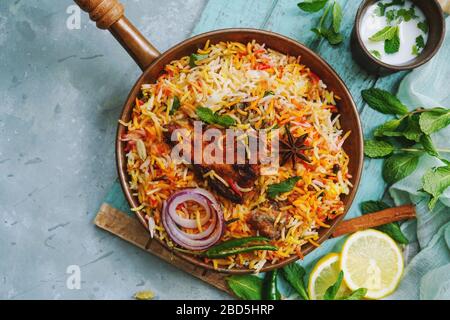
109, 14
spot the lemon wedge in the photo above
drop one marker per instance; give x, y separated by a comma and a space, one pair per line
371, 259
324, 275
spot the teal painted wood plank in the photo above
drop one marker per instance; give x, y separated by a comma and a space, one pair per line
219, 14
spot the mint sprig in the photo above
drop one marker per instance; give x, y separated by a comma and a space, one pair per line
209, 117
287, 185
434, 120
377, 148
386, 33
403, 140
399, 166
246, 287
435, 182
331, 292
393, 45
329, 26
383, 101
294, 274
312, 5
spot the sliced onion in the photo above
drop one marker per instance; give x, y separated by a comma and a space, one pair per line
173, 222
182, 197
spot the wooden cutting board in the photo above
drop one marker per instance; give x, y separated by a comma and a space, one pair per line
130, 229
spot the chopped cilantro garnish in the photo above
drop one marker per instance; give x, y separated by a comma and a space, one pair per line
420, 42
407, 14
423, 25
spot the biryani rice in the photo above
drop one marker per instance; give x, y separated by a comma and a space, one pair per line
234, 79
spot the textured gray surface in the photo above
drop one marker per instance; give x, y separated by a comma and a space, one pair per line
61, 92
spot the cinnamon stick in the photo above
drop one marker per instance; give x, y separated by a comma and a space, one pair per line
375, 219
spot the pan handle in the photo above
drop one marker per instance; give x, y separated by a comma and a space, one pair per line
109, 14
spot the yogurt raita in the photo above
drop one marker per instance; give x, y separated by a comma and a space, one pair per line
395, 31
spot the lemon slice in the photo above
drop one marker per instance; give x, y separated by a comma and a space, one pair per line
371, 259
324, 275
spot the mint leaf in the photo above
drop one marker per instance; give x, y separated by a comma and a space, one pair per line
332, 37
412, 130
387, 128
386, 33
434, 120
331, 292
337, 17
287, 185
391, 229
399, 166
225, 121
356, 295
175, 105
312, 5
383, 101
423, 25
207, 116
428, 145
373, 206
324, 17
329, 33
392, 45
246, 287
377, 148
415, 50
435, 182
376, 53
294, 274
196, 57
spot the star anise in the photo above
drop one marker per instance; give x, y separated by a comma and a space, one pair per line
293, 148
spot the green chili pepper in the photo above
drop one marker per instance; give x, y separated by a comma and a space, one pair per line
270, 287
232, 247
232, 251
234, 243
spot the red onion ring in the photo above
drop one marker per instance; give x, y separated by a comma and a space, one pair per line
184, 196
172, 221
